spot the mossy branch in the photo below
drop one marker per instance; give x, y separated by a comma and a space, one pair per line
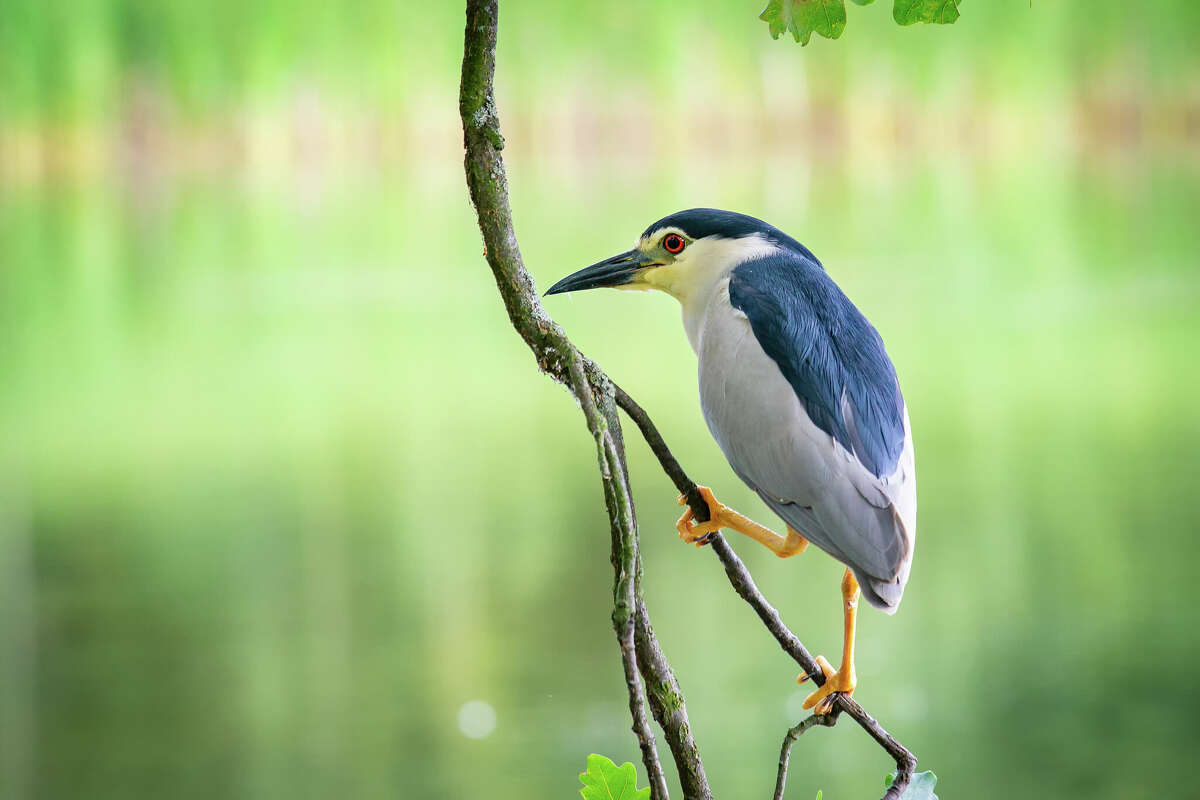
558, 357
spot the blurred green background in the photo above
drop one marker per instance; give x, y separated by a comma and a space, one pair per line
286, 510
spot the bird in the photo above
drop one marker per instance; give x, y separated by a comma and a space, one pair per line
799, 393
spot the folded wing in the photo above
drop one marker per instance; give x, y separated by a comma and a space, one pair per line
836, 461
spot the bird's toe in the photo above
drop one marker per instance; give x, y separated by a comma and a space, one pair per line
836, 682
699, 533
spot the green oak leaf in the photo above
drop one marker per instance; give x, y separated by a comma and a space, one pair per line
909, 12
604, 780
804, 17
919, 788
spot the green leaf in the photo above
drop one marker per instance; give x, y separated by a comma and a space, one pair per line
919, 788
805, 17
604, 780
909, 12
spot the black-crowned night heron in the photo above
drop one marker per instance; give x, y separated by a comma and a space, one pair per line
800, 395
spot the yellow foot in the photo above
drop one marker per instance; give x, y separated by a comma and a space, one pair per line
698, 532
722, 516
835, 683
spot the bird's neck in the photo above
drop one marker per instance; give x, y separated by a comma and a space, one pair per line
694, 280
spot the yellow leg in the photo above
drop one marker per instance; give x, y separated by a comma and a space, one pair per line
722, 516
843, 680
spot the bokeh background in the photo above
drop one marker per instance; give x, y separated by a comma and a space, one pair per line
286, 510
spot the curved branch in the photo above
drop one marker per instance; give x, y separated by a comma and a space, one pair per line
558, 358
625, 559
598, 397
789, 739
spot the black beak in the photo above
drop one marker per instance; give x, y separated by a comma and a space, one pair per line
616, 271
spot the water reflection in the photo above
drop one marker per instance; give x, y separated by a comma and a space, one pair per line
288, 511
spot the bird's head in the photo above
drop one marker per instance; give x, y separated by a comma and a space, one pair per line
682, 253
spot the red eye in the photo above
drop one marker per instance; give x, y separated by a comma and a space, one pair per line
673, 243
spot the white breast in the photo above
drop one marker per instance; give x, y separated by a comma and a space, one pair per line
751, 409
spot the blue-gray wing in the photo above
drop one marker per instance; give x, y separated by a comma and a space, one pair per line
838, 464
828, 351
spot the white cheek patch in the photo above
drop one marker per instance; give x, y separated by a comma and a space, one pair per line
706, 261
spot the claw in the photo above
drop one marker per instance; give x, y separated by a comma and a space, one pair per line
826, 669
804, 677
692, 532
835, 683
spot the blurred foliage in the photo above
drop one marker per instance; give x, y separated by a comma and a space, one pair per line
80, 62
281, 493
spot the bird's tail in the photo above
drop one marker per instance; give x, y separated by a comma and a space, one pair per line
884, 595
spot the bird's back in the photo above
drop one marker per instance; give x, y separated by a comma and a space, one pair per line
809, 416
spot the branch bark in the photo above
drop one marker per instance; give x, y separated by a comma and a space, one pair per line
642, 658
558, 357
789, 739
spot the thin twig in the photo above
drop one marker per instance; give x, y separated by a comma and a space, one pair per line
658, 445
789, 739
743, 583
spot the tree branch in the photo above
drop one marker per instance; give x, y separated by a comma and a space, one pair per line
558, 357
598, 397
789, 739
670, 710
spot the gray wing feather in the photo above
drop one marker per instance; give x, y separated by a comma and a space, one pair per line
803, 473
